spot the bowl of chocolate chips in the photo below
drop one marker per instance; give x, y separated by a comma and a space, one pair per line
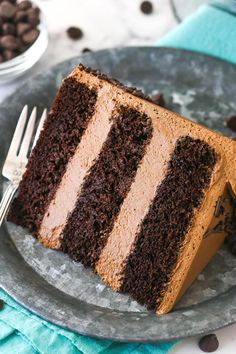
23, 37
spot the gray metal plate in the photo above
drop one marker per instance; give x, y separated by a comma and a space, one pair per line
50, 284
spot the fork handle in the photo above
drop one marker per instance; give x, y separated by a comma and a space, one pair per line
6, 200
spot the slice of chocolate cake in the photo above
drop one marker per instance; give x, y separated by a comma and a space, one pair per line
128, 188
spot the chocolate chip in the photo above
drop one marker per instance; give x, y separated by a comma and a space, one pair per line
9, 54
30, 36
9, 42
232, 244
86, 50
37, 10
22, 28
1, 304
24, 5
209, 343
8, 28
33, 17
146, 7
231, 123
20, 16
75, 32
159, 99
7, 10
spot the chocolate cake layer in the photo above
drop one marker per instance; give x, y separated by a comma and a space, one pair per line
106, 186
156, 249
62, 132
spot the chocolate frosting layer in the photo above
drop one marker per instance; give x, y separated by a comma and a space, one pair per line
129, 89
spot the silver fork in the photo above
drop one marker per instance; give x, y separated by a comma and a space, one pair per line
17, 156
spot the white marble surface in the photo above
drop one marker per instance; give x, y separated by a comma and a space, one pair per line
106, 23
110, 23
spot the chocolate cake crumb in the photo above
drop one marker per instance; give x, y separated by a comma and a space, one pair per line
1, 304
159, 99
146, 7
162, 232
106, 186
231, 123
75, 33
209, 343
66, 123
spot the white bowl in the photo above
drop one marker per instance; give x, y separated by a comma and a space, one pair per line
17, 66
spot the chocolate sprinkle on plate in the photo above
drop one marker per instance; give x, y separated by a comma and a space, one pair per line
231, 123
1, 304
146, 7
209, 343
75, 33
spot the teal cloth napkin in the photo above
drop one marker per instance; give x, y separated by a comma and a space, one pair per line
22, 332
210, 31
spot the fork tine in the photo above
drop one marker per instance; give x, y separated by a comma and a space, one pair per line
40, 126
18, 133
24, 148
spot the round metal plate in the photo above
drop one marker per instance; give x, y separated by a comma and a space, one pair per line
50, 284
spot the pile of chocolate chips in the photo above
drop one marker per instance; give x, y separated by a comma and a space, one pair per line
18, 27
